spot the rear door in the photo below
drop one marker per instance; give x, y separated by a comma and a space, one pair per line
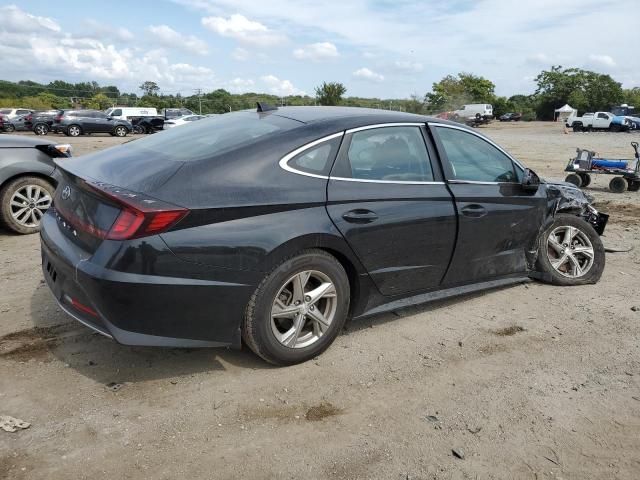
498, 220
387, 197
102, 122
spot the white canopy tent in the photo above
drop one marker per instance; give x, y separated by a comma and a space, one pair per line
564, 112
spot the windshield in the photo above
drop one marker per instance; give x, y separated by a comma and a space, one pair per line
212, 136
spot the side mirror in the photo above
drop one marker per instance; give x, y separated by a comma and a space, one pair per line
530, 181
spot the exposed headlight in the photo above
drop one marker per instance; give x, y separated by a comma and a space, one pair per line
65, 149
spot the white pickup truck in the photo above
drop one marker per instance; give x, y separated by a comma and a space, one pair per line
595, 121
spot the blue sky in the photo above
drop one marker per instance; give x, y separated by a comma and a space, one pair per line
380, 48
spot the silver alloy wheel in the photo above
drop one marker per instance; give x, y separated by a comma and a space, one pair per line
121, 131
41, 130
28, 205
303, 309
74, 131
570, 251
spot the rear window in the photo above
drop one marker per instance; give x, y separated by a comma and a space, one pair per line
213, 136
5, 111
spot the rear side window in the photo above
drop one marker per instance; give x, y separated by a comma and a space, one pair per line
317, 159
213, 136
5, 111
389, 154
471, 158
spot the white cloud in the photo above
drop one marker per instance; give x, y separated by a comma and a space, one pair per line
167, 37
281, 87
242, 29
102, 31
240, 85
408, 66
602, 60
366, 74
15, 20
317, 51
240, 54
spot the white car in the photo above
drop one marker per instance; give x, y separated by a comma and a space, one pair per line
176, 122
124, 113
10, 113
476, 112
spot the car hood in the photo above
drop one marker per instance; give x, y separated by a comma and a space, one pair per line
18, 141
568, 196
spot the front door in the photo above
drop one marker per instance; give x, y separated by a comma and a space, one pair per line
387, 198
498, 220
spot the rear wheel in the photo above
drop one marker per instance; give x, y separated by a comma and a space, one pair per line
586, 179
575, 179
634, 185
139, 129
298, 309
571, 252
23, 203
41, 129
74, 131
577, 127
618, 184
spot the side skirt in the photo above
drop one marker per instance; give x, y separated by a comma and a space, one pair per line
446, 293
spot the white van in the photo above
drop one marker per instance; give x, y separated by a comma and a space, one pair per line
474, 111
123, 113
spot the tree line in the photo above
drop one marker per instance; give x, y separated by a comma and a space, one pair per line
582, 89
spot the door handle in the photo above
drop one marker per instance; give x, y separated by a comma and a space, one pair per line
360, 215
474, 210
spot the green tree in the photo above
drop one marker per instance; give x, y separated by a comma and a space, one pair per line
454, 91
99, 102
330, 93
149, 88
582, 89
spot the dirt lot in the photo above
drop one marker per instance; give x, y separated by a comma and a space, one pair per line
527, 382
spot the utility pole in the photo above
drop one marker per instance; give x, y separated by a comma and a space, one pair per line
198, 93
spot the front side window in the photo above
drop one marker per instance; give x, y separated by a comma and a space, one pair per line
389, 154
473, 159
116, 113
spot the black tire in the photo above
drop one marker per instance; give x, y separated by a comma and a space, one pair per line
618, 184
257, 330
614, 127
41, 129
139, 129
593, 274
577, 127
9, 128
73, 131
575, 179
6, 195
586, 179
634, 185
120, 131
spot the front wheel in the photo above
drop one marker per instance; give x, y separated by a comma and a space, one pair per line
634, 185
618, 184
571, 252
298, 309
41, 129
574, 179
9, 128
121, 131
586, 179
74, 131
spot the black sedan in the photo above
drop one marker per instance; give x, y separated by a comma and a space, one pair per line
273, 227
510, 117
27, 180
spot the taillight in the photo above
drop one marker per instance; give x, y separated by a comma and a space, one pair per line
140, 216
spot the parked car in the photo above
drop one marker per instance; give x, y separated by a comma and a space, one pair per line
78, 122
186, 120
18, 123
474, 113
147, 124
510, 117
10, 113
168, 113
597, 121
2, 123
41, 122
27, 180
272, 227
126, 113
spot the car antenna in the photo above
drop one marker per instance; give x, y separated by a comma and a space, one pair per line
265, 107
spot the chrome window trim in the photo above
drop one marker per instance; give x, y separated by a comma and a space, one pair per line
284, 161
383, 125
482, 137
399, 182
475, 182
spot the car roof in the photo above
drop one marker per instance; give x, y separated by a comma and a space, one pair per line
322, 113
19, 141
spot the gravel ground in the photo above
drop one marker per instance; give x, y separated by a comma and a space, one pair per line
527, 382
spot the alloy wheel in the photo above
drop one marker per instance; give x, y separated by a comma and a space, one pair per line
41, 130
570, 251
28, 205
74, 131
303, 309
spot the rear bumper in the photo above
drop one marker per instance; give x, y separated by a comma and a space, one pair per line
138, 309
